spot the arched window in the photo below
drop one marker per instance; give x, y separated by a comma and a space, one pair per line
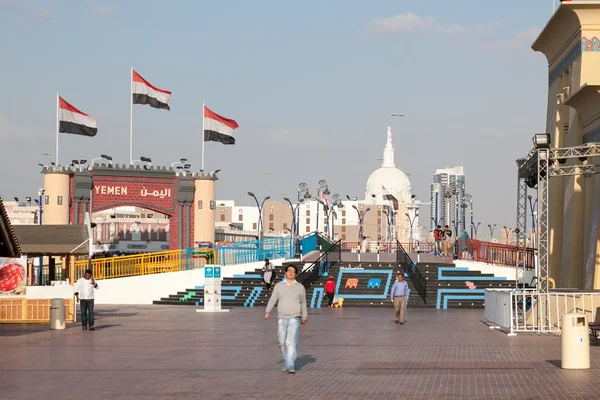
99, 232
112, 231
136, 232
157, 229
167, 232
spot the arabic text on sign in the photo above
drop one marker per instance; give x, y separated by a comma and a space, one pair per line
155, 193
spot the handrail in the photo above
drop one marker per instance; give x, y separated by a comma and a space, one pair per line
494, 253
311, 274
403, 259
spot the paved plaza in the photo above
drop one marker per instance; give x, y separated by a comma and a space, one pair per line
171, 352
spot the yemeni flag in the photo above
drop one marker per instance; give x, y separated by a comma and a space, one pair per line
73, 121
218, 128
144, 93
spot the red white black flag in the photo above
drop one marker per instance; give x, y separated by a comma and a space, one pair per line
75, 122
144, 93
218, 128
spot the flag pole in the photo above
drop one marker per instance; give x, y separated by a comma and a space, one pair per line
202, 168
131, 117
57, 125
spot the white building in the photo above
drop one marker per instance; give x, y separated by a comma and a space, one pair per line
447, 198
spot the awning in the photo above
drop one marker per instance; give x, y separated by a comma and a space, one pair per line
52, 240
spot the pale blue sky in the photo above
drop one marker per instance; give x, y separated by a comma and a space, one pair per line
312, 85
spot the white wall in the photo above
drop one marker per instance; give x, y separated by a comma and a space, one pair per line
147, 288
510, 273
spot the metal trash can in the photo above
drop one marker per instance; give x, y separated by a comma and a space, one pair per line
57, 314
575, 342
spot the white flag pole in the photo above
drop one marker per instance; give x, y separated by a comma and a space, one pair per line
131, 117
202, 169
57, 124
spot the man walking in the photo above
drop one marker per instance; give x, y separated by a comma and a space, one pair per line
267, 270
290, 297
438, 235
330, 290
84, 292
399, 298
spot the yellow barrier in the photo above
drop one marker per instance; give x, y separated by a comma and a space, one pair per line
144, 264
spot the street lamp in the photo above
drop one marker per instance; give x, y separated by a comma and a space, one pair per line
475, 227
260, 207
41, 211
102, 157
322, 184
294, 230
181, 162
361, 218
411, 222
469, 199
492, 227
328, 211
506, 231
451, 192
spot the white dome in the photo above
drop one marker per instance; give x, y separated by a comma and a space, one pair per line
388, 180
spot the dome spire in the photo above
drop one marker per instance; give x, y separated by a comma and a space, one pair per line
388, 151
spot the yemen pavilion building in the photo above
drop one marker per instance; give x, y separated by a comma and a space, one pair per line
571, 43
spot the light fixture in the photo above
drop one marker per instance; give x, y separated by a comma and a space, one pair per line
82, 161
541, 140
16, 199
187, 166
109, 158
145, 159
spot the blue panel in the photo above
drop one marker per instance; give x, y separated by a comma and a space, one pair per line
252, 297
466, 278
444, 291
466, 298
253, 276
389, 273
317, 297
237, 289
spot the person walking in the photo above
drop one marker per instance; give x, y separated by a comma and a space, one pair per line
268, 269
448, 242
330, 291
438, 236
84, 293
399, 297
290, 297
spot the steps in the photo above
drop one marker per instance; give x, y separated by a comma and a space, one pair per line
366, 284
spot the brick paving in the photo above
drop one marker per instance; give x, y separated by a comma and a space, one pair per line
170, 352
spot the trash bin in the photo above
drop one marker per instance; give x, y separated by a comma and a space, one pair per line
575, 342
57, 314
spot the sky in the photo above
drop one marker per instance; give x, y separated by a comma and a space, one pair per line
312, 85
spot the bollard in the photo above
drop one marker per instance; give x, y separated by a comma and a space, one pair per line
57, 314
575, 342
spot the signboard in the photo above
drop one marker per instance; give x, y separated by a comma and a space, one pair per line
13, 276
212, 289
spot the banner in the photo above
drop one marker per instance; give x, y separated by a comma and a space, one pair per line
13, 276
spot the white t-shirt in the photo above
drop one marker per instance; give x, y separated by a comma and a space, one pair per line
85, 289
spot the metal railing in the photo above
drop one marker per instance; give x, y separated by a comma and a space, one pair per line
255, 250
415, 276
530, 311
388, 247
493, 253
321, 266
145, 264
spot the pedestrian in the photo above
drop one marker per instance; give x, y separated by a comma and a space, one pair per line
84, 292
448, 242
330, 291
364, 245
268, 269
438, 235
399, 297
290, 297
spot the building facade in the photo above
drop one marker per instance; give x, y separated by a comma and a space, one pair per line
571, 43
447, 199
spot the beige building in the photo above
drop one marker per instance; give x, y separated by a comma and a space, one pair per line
571, 43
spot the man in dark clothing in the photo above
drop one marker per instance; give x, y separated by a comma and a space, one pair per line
330, 290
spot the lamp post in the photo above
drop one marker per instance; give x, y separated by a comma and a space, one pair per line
475, 226
506, 231
492, 227
41, 204
322, 184
468, 198
294, 230
411, 222
452, 192
361, 218
260, 207
329, 210
102, 157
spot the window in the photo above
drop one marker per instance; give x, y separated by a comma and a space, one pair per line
343, 221
308, 213
136, 232
271, 226
59, 200
254, 226
379, 213
46, 199
343, 229
199, 204
307, 221
212, 204
343, 236
111, 231
285, 226
271, 217
343, 213
222, 217
240, 217
167, 232
307, 228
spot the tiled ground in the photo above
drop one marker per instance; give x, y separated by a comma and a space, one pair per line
162, 352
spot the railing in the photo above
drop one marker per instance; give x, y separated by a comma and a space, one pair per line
146, 264
529, 311
415, 276
255, 250
388, 247
493, 253
321, 267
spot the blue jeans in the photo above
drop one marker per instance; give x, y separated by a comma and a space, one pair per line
87, 312
288, 330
